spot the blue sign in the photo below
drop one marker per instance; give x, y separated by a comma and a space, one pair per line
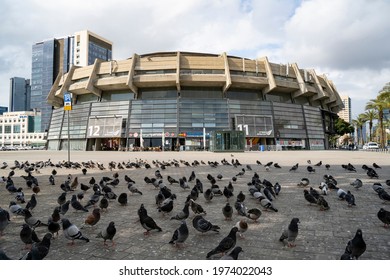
67, 98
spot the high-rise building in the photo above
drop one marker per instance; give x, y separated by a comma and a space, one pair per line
54, 56
3, 110
19, 94
345, 113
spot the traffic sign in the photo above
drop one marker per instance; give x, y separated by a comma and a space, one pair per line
67, 97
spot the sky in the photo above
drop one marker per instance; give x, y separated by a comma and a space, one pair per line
347, 40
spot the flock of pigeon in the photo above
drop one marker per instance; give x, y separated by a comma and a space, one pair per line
91, 197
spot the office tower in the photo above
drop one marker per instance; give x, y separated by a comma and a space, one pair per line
345, 113
54, 56
19, 94
3, 110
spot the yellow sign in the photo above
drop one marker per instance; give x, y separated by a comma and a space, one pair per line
68, 106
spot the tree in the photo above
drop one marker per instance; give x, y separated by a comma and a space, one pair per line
358, 123
370, 116
342, 127
379, 104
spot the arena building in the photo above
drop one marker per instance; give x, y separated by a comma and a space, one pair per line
177, 99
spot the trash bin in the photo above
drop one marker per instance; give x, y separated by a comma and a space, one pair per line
262, 148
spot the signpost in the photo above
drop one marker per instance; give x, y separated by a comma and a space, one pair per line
68, 107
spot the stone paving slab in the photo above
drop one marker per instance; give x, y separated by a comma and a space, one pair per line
323, 235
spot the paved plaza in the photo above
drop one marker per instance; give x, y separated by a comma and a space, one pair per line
323, 235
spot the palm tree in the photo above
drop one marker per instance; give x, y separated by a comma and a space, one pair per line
379, 104
358, 123
370, 116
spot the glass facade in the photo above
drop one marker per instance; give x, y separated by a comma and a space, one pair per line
176, 121
20, 94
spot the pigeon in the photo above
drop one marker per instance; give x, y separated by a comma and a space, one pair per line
40, 250
72, 232
233, 255
314, 193
376, 166
377, 187
146, 221
277, 188
3, 256
202, 225
327, 166
356, 246
241, 196
276, 165
226, 244
227, 193
294, 167
254, 214
172, 180
122, 199
51, 180
242, 227
318, 164
16, 209
196, 207
32, 221
357, 183
103, 203
108, 233
183, 214
208, 195
241, 208
84, 171
53, 227
192, 176
341, 194
64, 207
76, 204
304, 182
291, 233
350, 198
32, 203
269, 164
93, 218
384, 195
267, 204
133, 189
55, 216
310, 169
324, 205
384, 217
28, 236
227, 211
216, 190
74, 184
309, 197
180, 235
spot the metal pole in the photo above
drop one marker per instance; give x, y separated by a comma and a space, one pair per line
68, 138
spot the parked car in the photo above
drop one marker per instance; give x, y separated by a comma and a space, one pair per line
370, 146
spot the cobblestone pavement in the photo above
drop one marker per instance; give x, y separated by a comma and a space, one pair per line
322, 235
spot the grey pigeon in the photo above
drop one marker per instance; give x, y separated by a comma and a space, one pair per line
267, 204
122, 199
357, 183
384, 217
291, 233
62, 198
356, 246
133, 189
208, 195
71, 231
31, 220
241, 208
32, 203
383, 195
341, 194
64, 207
180, 234
146, 221
196, 207
108, 233
202, 225
233, 255
227, 211
226, 244
16, 209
